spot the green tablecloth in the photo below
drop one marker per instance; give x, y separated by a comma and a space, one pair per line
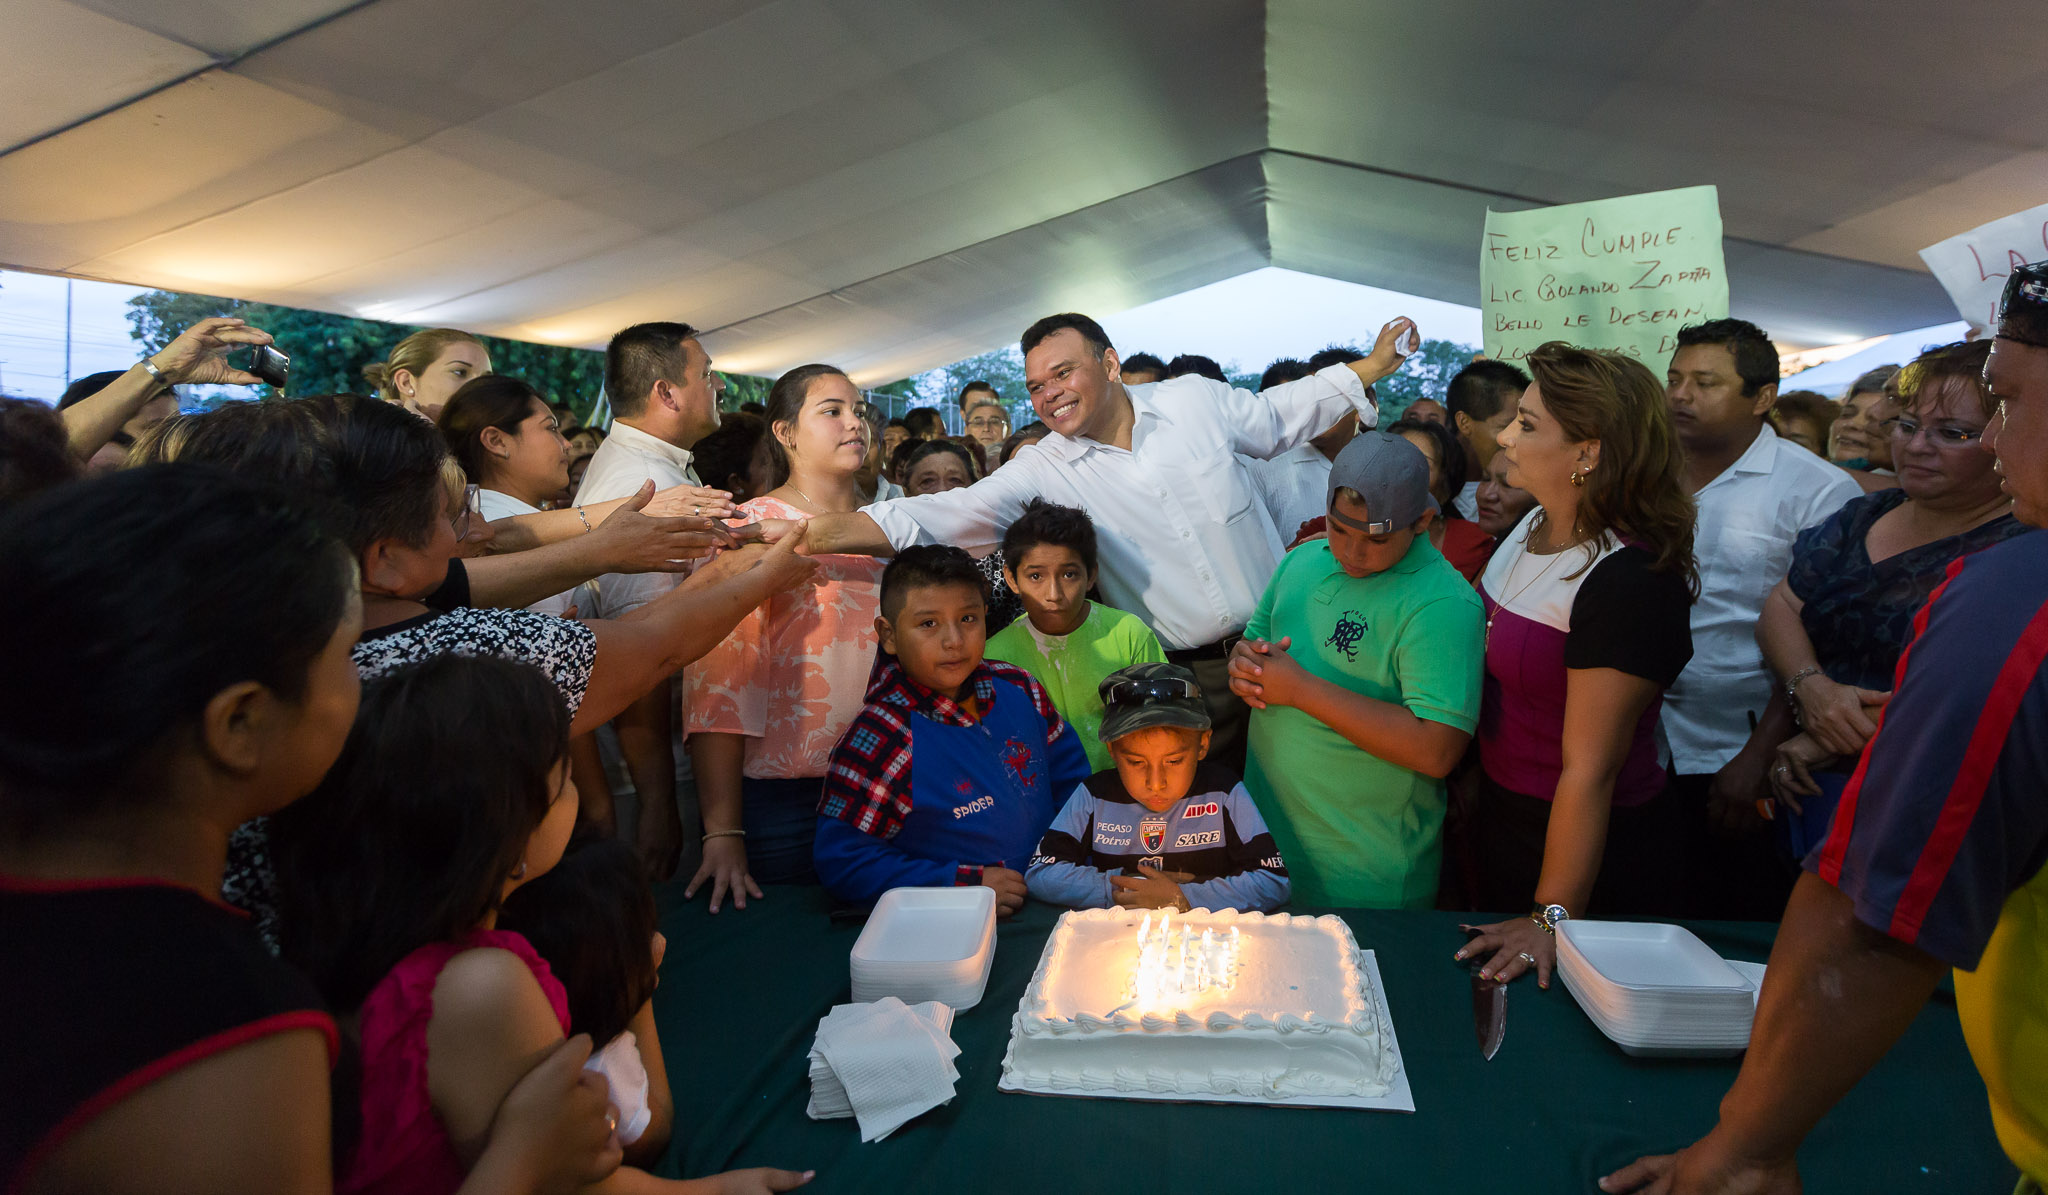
742, 992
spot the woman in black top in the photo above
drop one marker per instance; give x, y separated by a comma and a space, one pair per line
177, 645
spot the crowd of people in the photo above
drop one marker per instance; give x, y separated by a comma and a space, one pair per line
321, 710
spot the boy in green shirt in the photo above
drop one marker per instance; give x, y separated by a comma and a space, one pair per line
1066, 641
1362, 667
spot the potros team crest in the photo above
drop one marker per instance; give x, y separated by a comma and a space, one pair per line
1152, 834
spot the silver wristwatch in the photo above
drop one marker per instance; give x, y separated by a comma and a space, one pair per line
1548, 916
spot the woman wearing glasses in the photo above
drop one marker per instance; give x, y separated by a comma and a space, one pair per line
1832, 630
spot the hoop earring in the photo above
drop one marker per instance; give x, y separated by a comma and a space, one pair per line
1579, 478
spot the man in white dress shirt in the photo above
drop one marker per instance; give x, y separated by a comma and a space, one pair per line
1184, 541
658, 378
1755, 492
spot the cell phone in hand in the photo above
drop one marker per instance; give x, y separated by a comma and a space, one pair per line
267, 363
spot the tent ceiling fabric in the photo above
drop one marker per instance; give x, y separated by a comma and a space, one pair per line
893, 184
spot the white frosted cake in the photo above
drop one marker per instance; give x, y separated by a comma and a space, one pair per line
1200, 1005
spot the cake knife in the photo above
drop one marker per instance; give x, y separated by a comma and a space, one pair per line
1489, 1013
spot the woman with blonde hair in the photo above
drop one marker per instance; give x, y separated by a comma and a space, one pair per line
1587, 623
426, 369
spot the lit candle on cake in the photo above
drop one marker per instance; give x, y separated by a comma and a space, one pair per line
1173, 963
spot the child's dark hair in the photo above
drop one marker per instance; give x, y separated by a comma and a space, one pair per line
592, 918
729, 452
412, 834
924, 565
1050, 523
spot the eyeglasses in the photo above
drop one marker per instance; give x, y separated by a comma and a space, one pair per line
1163, 688
1904, 428
469, 515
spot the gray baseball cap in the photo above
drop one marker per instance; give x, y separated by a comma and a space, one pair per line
1145, 695
1391, 475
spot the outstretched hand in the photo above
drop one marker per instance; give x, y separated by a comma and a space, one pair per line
789, 562
630, 541
691, 501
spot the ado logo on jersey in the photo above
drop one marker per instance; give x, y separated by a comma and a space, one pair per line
1211, 809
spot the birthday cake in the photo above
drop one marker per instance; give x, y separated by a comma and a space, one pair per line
1237, 1005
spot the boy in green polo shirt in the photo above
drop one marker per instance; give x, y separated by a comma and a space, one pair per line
1362, 667
1066, 641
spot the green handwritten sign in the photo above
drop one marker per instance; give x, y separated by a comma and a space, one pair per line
1623, 274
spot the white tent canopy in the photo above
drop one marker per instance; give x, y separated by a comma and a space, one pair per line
895, 184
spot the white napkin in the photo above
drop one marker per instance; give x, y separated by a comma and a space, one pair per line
619, 1063
882, 1063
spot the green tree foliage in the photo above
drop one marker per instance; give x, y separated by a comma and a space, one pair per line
328, 352
1426, 374
1003, 369
744, 388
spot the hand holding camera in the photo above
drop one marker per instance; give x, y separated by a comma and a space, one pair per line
200, 356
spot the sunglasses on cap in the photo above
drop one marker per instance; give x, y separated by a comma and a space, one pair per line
2027, 287
1164, 688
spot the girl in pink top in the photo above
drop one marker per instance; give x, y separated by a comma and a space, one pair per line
768, 704
453, 791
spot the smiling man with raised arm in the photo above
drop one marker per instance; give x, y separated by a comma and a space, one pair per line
1184, 541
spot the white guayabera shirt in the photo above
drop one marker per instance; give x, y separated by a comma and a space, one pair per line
1184, 540
1748, 518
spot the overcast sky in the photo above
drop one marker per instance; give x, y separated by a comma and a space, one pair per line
1249, 320
1243, 322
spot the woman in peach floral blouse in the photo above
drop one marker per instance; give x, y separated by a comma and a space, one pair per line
767, 705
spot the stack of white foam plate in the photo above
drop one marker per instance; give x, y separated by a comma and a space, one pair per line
927, 944
1656, 990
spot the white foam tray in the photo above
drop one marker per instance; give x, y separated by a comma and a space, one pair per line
1663, 1039
1647, 956
927, 943
1398, 1098
959, 995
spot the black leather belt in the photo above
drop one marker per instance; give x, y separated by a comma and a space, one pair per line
1219, 650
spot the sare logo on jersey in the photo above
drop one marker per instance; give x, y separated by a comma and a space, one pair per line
1210, 809
1198, 838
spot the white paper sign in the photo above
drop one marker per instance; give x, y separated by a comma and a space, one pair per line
1623, 274
1973, 267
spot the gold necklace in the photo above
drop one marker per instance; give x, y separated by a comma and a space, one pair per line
809, 501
